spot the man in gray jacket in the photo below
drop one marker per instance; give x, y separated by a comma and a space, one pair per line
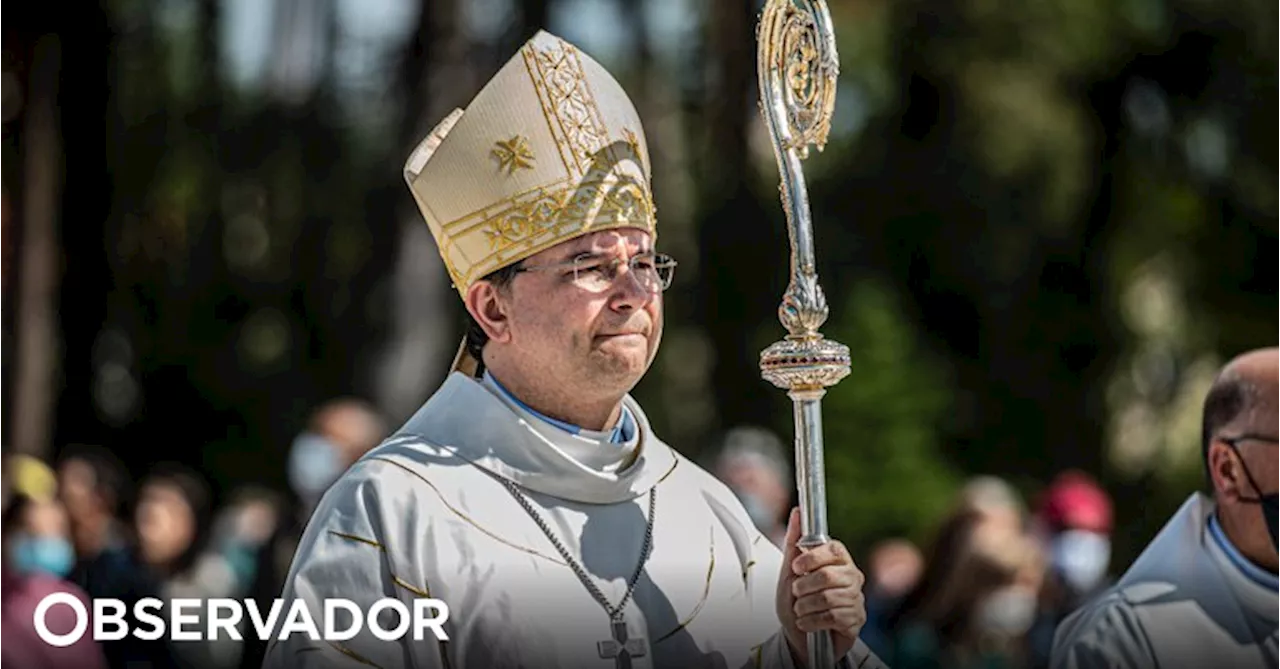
1204, 592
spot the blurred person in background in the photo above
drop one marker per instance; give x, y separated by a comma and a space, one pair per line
30, 476
174, 519
244, 526
1074, 523
39, 541
995, 501
35, 551
893, 571
753, 462
976, 601
94, 488
38, 537
531, 474
337, 434
1075, 520
1204, 593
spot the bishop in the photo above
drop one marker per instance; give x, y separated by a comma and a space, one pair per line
530, 492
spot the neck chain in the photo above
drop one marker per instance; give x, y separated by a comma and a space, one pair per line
615, 612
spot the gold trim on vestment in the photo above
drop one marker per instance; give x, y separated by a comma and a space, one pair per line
674, 462
396, 579
746, 570
352, 654
467, 518
706, 592
400, 582
362, 540
757, 654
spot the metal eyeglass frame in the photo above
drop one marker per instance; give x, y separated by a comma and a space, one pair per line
610, 266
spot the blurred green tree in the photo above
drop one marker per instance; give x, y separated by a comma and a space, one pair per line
887, 467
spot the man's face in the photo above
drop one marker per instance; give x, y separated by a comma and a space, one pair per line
584, 340
1246, 491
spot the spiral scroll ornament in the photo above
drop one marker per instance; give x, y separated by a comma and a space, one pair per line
798, 56
798, 69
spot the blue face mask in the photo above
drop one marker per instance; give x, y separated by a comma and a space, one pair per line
760, 513
313, 465
48, 555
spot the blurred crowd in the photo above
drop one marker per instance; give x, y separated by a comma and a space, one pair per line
82, 525
987, 592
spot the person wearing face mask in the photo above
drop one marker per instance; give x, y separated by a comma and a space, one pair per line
40, 544
338, 433
1074, 523
37, 557
975, 602
1204, 592
37, 538
753, 464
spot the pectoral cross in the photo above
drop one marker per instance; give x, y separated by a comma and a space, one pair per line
620, 649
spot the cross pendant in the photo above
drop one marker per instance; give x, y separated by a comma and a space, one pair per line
620, 649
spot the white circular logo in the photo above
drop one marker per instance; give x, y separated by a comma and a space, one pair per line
61, 640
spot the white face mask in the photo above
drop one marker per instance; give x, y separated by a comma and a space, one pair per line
1008, 612
1081, 558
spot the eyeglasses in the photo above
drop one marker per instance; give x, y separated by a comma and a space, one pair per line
1232, 441
595, 273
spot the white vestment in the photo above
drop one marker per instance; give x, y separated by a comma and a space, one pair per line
1185, 602
426, 513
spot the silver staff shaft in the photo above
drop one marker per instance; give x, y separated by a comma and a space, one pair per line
812, 482
797, 69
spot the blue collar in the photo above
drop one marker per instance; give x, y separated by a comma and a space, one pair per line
1250, 570
623, 432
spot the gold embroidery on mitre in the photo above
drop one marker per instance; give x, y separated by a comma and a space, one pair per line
577, 209
632, 141
514, 154
576, 125
525, 220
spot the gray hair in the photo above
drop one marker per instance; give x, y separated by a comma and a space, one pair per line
756, 445
988, 493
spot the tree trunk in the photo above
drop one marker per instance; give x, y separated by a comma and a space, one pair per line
37, 337
421, 343
742, 240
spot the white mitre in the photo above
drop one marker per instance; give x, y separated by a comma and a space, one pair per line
550, 149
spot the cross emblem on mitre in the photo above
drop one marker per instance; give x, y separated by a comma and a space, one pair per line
620, 649
513, 154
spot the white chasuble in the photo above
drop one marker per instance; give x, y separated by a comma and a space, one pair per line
428, 514
1187, 601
